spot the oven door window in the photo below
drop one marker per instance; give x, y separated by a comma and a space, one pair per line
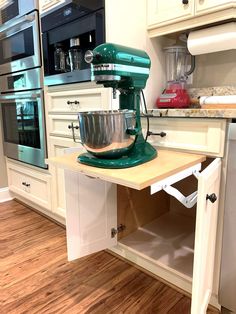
21, 123
17, 46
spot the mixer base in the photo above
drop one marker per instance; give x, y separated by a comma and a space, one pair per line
140, 153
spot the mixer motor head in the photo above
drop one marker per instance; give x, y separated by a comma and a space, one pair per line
119, 67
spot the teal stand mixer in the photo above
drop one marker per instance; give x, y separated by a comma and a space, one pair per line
113, 138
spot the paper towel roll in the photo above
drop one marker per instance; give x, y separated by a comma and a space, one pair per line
217, 100
212, 39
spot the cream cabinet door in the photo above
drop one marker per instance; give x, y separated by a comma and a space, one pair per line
164, 12
207, 6
91, 214
205, 236
57, 147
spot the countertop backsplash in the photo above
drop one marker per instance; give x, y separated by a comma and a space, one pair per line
212, 91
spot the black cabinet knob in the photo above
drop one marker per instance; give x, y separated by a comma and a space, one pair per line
185, 1
212, 197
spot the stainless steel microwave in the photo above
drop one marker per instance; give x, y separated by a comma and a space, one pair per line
20, 44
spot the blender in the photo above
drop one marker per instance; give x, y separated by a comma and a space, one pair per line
177, 61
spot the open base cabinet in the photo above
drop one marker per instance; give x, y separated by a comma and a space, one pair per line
154, 231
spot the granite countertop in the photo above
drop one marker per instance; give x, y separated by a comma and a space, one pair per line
194, 112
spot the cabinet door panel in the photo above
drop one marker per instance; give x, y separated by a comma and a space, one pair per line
91, 213
57, 147
203, 6
161, 11
205, 235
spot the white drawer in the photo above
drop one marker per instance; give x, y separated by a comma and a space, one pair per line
197, 135
73, 101
30, 184
61, 125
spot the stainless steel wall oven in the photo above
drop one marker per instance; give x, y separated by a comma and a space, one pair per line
23, 127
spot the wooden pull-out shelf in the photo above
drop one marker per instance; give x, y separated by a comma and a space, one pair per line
166, 164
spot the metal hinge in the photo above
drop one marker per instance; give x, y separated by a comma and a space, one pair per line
166, 185
119, 229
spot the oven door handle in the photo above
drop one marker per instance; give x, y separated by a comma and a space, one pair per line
22, 96
26, 18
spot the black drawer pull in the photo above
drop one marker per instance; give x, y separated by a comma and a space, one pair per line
26, 184
185, 1
212, 197
76, 102
71, 126
161, 134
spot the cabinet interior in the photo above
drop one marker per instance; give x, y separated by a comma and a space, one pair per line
158, 227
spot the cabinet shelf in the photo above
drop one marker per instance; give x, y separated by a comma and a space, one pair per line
167, 241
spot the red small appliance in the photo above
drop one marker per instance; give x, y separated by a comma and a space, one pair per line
177, 61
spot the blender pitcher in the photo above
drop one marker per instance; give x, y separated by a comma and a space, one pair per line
177, 62
75, 54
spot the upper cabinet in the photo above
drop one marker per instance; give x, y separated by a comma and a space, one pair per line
207, 6
162, 12
165, 17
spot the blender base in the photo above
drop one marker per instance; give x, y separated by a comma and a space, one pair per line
140, 153
178, 98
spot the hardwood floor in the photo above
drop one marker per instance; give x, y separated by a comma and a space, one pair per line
36, 277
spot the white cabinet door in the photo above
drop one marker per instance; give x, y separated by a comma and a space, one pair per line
207, 6
57, 146
162, 11
91, 214
205, 236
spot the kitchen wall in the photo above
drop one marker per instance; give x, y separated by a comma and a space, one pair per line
215, 69
126, 25
3, 172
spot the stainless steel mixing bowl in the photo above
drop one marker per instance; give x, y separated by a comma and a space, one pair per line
105, 134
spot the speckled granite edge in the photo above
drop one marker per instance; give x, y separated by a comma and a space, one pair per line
194, 113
